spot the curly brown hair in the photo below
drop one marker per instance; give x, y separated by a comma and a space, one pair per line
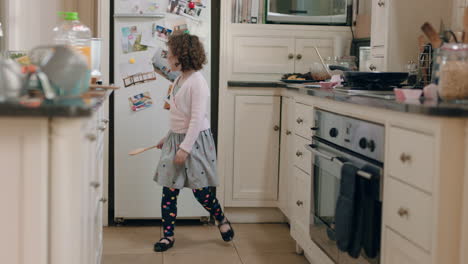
189, 51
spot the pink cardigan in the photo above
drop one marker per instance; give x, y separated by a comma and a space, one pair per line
188, 113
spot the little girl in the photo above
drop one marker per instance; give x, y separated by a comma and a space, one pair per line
188, 156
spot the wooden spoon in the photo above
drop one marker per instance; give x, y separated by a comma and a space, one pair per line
140, 150
465, 26
432, 35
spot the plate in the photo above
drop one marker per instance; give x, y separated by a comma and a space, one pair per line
296, 81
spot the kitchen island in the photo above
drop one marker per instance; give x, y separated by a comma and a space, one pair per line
52, 160
425, 189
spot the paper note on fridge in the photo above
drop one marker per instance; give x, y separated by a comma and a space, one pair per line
140, 101
137, 73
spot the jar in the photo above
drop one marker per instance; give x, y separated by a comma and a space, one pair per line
451, 70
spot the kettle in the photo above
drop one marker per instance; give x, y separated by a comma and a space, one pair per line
11, 79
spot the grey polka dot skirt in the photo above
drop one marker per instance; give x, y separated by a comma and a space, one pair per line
199, 169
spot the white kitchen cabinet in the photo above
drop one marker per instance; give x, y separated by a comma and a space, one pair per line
286, 158
52, 169
256, 148
306, 54
398, 250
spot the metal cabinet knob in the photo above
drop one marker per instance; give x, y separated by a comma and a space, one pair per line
95, 184
91, 137
102, 128
276, 128
299, 203
291, 56
372, 67
402, 212
103, 200
299, 120
405, 157
288, 132
298, 153
381, 3
105, 120
299, 56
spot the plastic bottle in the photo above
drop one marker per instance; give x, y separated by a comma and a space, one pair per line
75, 34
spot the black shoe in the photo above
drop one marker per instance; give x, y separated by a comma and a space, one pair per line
160, 246
228, 235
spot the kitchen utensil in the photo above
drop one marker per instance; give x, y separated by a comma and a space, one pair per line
432, 35
11, 79
375, 80
140, 150
321, 60
66, 70
318, 72
105, 87
465, 26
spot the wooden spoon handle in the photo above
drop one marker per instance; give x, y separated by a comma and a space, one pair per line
138, 151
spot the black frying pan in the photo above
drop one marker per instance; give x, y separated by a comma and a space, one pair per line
377, 80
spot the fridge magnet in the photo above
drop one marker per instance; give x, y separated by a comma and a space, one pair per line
140, 101
162, 32
131, 40
161, 66
137, 73
191, 9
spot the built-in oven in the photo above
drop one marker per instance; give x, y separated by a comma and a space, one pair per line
340, 140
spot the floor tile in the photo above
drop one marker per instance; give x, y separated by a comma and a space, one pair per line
274, 258
202, 257
151, 258
267, 231
120, 240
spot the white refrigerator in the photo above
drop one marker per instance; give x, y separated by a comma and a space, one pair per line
141, 28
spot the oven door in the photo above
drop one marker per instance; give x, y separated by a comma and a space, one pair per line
327, 161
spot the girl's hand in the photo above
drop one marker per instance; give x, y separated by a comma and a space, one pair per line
160, 144
180, 157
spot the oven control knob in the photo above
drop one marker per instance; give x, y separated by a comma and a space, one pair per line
363, 143
371, 145
333, 132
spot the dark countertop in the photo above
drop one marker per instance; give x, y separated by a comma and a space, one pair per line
64, 108
424, 107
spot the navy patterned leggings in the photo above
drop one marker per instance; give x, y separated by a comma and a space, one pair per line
169, 206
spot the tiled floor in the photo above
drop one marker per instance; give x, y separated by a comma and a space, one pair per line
253, 244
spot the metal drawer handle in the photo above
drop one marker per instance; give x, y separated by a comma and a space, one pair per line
105, 120
95, 184
402, 212
288, 132
372, 67
103, 200
91, 137
299, 203
381, 3
298, 153
276, 128
291, 56
299, 56
102, 128
405, 157
299, 120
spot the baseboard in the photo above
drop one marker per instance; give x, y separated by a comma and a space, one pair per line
255, 215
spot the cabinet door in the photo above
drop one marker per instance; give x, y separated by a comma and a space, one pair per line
306, 54
398, 250
256, 148
267, 55
301, 200
379, 23
286, 160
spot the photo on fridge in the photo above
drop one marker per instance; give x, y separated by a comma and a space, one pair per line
131, 40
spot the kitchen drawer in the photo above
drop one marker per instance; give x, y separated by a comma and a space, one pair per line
304, 120
302, 156
411, 157
301, 201
400, 251
408, 211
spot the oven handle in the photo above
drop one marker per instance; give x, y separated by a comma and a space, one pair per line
313, 149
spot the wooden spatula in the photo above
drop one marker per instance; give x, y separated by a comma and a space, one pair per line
140, 150
465, 26
432, 35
